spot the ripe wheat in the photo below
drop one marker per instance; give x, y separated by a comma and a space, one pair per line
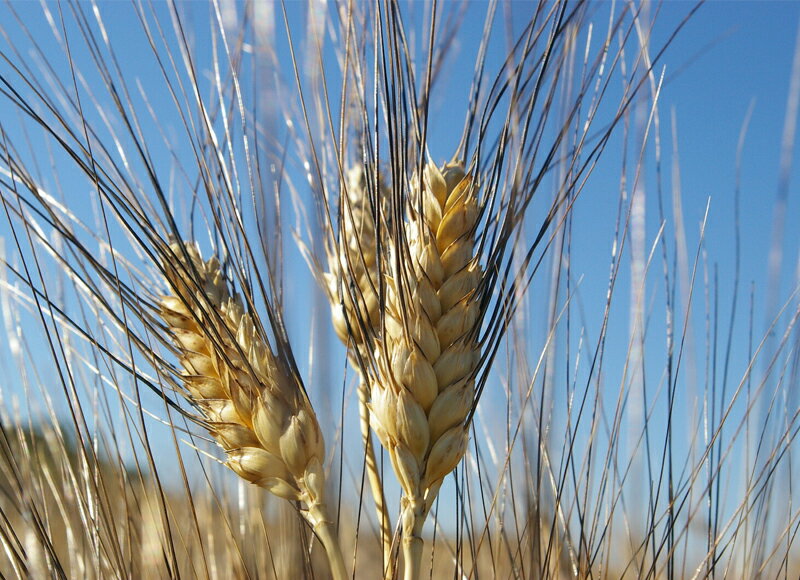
424, 388
356, 264
427, 291
351, 284
256, 410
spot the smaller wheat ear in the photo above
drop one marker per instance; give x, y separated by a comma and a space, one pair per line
353, 275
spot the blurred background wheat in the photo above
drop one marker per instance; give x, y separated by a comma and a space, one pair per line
626, 356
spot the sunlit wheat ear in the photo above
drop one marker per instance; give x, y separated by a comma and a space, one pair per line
352, 282
257, 412
355, 263
425, 386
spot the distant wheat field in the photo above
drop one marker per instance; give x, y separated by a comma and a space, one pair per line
385, 289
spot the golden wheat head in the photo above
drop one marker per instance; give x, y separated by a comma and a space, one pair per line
256, 411
428, 354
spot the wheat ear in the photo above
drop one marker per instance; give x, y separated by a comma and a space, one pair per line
355, 264
427, 360
256, 409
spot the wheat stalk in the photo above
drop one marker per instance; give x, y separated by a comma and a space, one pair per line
256, 410
424, 388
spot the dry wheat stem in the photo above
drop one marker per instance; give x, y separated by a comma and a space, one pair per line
255, 409
428, 354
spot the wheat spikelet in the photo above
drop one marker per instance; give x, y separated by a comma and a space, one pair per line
257, 411
425, 386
